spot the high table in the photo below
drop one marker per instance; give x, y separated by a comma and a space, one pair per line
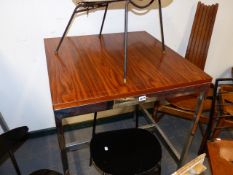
86, 76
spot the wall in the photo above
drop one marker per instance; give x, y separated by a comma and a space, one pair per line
24, 87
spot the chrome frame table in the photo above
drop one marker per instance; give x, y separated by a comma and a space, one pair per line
86, 77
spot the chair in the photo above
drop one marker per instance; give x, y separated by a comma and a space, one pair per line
221, 157
221, 113
226, 109
11, 140
196, 53
220, 151
126, 151
87, 5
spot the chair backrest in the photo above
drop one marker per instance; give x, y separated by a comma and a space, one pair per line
11, 139
221, 118
221, 150
224, 117
221, 113
201, 32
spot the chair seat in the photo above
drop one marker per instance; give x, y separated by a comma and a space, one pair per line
221, 156
227, 99
127, 151
188, 103
45, 172
12, 139
76, 2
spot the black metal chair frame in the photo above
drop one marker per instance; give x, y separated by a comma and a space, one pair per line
3, 123
87, 6
212, 115
23, 135
5, 128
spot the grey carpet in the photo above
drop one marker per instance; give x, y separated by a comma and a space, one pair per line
43, 152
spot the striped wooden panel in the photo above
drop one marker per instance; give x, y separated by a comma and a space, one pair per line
201, 34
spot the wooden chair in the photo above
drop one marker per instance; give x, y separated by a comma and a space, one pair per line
226, 109
220, 151
13, 139
196, 53
221, 156
126, 151
221, 113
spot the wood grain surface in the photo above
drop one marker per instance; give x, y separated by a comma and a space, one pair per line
221, 157
201, 33
89, 69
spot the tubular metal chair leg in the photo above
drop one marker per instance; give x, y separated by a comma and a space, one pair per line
90, 161
136, 115
14, 163
3, 124
126, 39
61, 142
161, 24
102, 25
66, 29
93, 134
211, 121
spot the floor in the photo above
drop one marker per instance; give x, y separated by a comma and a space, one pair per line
43, 152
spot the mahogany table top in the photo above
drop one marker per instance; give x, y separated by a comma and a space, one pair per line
89, 69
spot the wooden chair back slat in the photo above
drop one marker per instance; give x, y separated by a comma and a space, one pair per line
201, 32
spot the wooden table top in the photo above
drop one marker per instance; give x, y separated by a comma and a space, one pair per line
89, 69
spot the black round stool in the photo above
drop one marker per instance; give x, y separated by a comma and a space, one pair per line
126, 152
45, 172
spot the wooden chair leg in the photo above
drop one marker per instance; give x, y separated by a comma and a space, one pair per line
201, 129
217, 131
93, 134
155, 111
222, 123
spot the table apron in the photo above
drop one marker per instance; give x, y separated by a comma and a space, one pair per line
129, 101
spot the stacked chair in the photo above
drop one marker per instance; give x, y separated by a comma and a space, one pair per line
220, 144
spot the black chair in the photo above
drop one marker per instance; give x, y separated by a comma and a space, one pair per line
11, 140
126, 151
